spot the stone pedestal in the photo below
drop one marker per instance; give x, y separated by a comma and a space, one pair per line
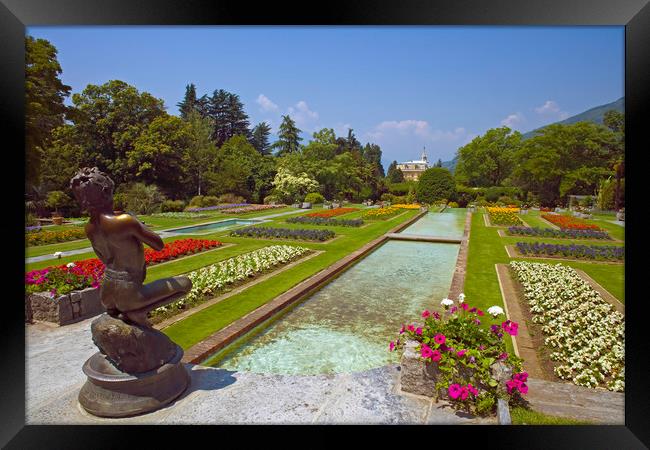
137, 370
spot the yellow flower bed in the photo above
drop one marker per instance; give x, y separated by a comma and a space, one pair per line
50, 237
504, 216
381, 213
405, 206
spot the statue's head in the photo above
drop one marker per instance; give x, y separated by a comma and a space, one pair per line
93, 189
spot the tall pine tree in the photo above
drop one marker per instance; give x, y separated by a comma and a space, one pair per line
394, 174
289, 137
260, 138
372, 154
189, 103
228, 117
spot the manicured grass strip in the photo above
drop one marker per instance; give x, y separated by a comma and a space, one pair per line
523, 416
49, 249
208, 321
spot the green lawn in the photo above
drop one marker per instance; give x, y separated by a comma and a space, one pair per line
204, 323
523, 416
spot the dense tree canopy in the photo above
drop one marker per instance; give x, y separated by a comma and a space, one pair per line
394, 175
260, 138
435, 184
44, 102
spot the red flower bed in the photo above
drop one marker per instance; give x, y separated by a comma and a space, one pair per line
568, 222
332, 212
93, 268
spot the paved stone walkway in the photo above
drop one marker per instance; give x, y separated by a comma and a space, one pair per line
217, 396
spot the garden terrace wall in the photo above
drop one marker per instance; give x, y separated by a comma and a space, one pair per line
65, 309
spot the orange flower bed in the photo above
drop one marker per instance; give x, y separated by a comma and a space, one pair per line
568, 222
332, 212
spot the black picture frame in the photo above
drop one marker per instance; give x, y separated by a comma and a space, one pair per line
15, 15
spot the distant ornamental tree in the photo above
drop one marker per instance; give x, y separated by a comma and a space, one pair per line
435, 184
291, 187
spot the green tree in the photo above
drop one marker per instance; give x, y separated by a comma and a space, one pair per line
57, 199
372, 154
439, 163
62, 158
394, 174
488, 160
260, 138
435, 184
107, 121
566, 159
293, 187
288, 138
615, 121
229, 119
44, 102
158, 154
191, 103
201, 152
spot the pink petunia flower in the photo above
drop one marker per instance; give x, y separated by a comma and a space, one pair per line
464, 393
439, 339
426, 314
402, 329
410, 328
503, 355
391, 346
454, 391
461, 353
436, 355
426, 351
418, 331
464, 306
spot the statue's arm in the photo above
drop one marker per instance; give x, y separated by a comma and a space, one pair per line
147, 236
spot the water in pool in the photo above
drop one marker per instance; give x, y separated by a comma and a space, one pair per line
449, 223
211, 227
347, 325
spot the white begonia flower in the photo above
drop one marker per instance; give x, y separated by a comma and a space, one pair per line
70, 265
495, 311
461, 297
447, 302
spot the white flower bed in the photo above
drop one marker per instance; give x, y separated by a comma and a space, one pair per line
208, 281
586, 334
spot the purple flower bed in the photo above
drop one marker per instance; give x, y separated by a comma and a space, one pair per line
283, 233
596, 252
217, 207
563, 233
33, 229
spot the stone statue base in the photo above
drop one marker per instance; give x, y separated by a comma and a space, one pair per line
109, 392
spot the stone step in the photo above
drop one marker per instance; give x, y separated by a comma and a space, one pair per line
578, 402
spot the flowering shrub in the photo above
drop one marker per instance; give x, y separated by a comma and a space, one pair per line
462, 352
561, 234
211, 280
596, 252
325, 221
250, 209
381, 213
216, 207
50, 237
89, 272
504, 216
585, 333
283, 233
180, 215
326, 214
569, 222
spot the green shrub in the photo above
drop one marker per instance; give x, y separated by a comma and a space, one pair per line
481, 201
435, 184
452, 205
229, 198
314, 198
210, 200
402, 188
197, 201
140, 198
607, 194
172, 206
493, 193
271, 199
387, 197
57, 200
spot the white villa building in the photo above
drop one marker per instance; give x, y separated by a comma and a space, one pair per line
413, 169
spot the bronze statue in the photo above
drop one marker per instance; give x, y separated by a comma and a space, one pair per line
117, 241
138, 369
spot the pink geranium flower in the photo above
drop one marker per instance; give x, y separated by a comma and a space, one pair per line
454, 391
439, 339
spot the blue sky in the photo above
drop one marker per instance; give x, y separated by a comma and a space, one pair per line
400, 87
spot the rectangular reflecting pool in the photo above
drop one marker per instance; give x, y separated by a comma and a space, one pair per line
214, 226
449, 223
347, 325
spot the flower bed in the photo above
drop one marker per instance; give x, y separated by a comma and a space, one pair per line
459, 354
565, 233
593, 252
60, 280
51, 237
381, 213
569, 222
325, 221
210, 281
283, 233
181, 215
216, 207
326, 214
250, 208
585, 333
504, 216
406, 206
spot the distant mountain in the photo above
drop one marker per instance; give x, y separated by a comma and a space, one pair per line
595, 115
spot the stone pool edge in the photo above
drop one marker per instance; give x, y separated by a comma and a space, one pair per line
217, 341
